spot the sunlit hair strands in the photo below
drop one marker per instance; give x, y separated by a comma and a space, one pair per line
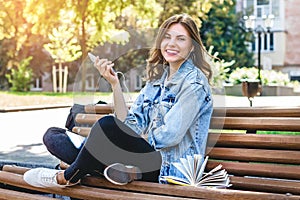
198, 55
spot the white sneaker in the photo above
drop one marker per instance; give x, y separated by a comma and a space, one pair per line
42, 177
121, 174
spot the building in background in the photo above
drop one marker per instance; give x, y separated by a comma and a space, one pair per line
280, 48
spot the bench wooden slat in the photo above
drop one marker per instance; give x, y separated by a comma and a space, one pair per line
101, 185
221, 111
240, 123
83, 131
99, 108
257, 123
257, 169
258, 111
266, 185
186, 191
288, 142
82, 192
255, 155
16, 195
88, 118
275, 141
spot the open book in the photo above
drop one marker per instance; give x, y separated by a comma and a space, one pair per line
193, 169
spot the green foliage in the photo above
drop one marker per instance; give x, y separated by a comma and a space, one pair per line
21, 77
220, 69
23, 23
63, 46
196, 8
222, 30
77, 27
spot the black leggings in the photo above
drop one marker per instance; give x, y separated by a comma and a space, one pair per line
110, 141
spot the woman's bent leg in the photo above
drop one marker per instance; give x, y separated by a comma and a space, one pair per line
59, 144
111, 141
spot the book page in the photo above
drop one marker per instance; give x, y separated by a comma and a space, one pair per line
190, 166
193, 168
211, 172
221, 175
223, 183
198, 160
182, 167
201, 170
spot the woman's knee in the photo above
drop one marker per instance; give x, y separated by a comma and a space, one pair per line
51, 134
106, 122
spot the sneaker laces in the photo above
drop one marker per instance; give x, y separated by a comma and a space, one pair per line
47, 178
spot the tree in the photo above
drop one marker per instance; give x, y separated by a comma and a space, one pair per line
94, 22
21, 32
223, 31
97, 21
63, 45
21, 76
196, 8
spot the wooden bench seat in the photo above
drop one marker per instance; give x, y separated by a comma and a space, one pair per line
260, 166
100, 188
265, 163
257, 166
16, 195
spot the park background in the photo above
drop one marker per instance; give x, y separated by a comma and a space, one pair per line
44, 44
40, 38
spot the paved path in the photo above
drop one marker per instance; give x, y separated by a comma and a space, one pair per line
22, 132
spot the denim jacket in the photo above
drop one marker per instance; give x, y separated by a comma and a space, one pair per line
175, 115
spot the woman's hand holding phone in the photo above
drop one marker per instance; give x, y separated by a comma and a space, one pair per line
105, 67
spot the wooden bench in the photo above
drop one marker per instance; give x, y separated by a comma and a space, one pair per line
261, 166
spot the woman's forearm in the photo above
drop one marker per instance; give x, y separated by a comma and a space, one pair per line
119, 102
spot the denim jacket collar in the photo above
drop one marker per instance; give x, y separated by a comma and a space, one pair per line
185, 67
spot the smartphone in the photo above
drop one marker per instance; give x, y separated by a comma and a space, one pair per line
93, 59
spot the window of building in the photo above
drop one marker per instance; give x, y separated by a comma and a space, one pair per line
262, 10
37, 84
271, 48
267, 42
259, 8
90, 82
263, 2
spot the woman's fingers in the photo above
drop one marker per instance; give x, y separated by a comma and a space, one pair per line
105, 67
102, 65
110, 68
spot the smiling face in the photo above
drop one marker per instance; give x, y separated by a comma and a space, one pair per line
176, 45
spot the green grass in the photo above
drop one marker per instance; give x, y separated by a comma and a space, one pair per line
278, 132
67, 94
258, 132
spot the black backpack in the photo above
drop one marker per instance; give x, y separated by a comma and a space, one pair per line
76, 108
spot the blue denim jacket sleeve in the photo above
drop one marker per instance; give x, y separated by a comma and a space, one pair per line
181, 116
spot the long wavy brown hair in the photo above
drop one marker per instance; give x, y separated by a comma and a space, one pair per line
156, 61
